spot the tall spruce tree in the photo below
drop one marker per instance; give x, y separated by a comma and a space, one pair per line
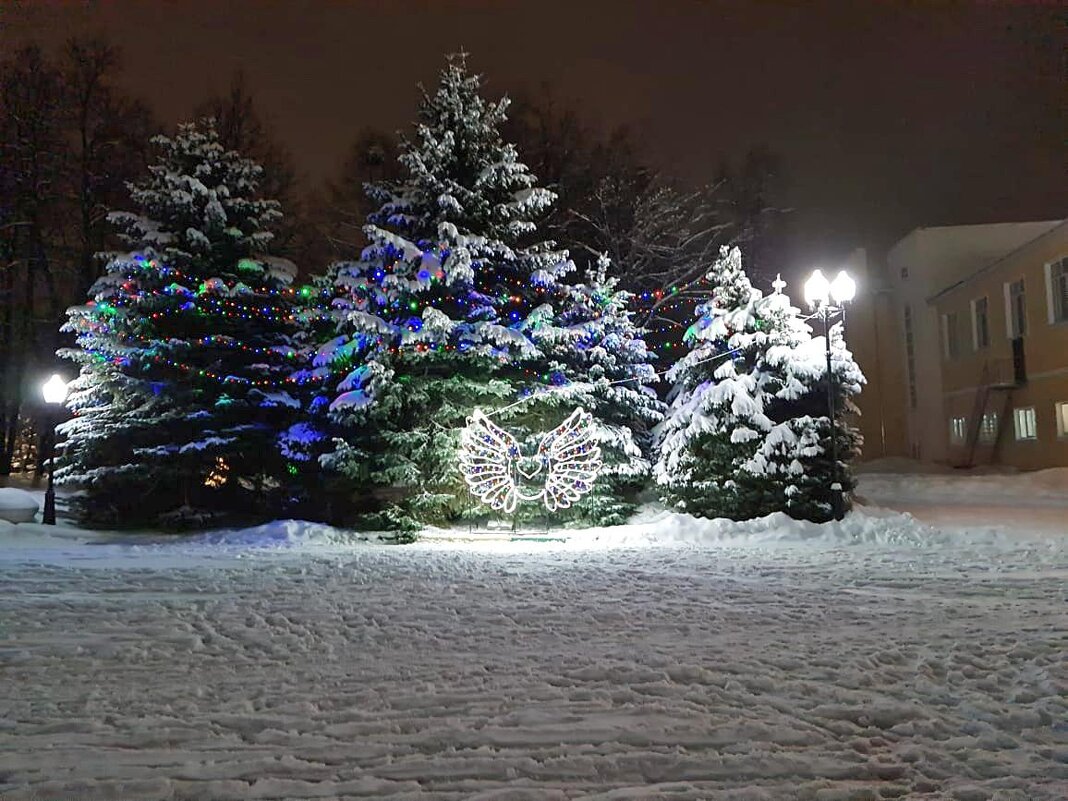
189, 387
458, 304
436, 315
748, 431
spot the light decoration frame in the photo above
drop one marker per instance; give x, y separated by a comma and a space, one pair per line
495, 470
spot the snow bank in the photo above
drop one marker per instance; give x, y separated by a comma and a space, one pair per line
33, 542
279, 534
41, 536
654, 527
17, 506
1041, 487
863, 525
899, 464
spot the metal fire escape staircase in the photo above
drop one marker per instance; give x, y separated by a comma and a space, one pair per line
997, 380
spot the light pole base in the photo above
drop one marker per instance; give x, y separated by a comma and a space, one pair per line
837, 501
48, 517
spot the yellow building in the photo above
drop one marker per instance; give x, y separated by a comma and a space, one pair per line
961, 333
1003, 347
874, 336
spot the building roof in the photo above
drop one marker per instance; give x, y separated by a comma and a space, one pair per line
938, 256
1053, 228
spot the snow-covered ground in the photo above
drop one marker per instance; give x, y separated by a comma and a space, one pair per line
1032, 501
670, 659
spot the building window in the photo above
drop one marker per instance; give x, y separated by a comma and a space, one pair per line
1061, 410
1015, 309
904, 273
958, 430
980, 324
950, 338
910, 357
1057, 289
988, 428
1026, 426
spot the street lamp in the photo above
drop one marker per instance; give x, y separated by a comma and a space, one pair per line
54, 391
827, 298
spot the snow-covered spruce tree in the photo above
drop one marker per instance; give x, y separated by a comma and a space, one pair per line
747, 432
595, 356
798, 445
188, 391
434, 314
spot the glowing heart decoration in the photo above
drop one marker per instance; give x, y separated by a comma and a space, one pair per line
492, 463
528, 468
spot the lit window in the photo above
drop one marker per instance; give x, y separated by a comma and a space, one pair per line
988, 428
980, 324
957, 430
1057, 286
1026, 426
1062, 419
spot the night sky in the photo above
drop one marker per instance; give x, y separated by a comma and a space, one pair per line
886, 117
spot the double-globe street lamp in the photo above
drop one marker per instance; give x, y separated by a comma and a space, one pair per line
54, 391
827, 298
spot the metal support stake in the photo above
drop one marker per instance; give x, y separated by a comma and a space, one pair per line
836, 485
48, 517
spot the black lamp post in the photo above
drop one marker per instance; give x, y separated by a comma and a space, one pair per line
54, 391
828, 298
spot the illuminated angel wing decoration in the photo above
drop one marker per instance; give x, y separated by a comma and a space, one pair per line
574, 460
488, 455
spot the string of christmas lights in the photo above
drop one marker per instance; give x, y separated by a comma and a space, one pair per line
217, 342
233, 379
572, 385
228, 307
300, 380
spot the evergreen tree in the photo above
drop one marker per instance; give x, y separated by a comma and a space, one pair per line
438, 313
188, 390
797, 448
747, 433
594, 356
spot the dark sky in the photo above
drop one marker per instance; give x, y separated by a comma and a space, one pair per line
886, 116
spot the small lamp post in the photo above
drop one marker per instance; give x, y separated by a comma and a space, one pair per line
827, 298
54, 391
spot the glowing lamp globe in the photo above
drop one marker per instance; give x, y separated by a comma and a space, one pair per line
817, 289
843, 288
54, 389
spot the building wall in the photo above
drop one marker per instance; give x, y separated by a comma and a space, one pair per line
874, 336
1045, 349
919, 266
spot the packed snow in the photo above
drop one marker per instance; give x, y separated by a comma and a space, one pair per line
17, 505
672, 658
